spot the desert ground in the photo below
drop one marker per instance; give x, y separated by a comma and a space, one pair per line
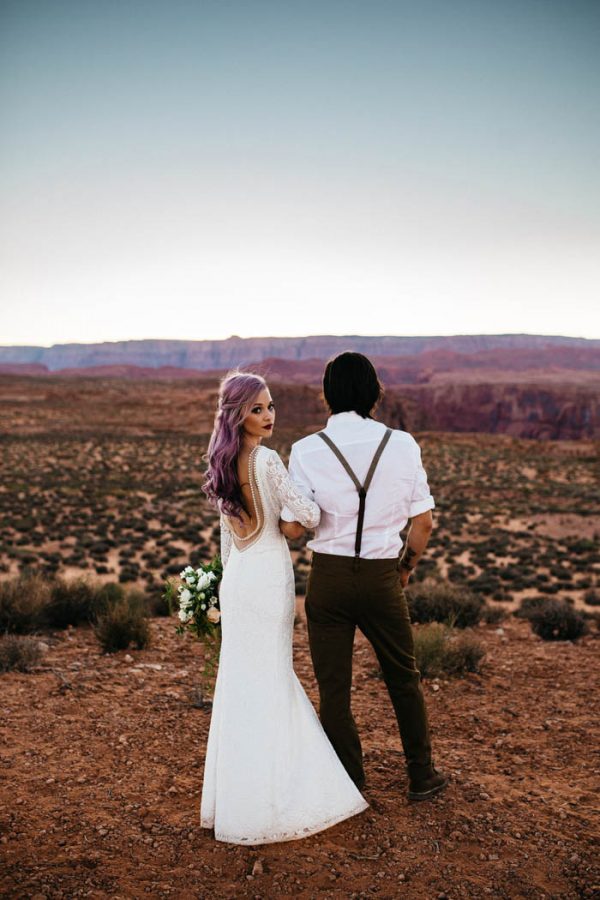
102, 754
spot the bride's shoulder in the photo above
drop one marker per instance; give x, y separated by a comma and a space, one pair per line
268, 460
267, 455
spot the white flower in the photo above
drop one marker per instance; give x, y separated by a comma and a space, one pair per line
212, 576
184, 615
203, 606
190, 580
202, 596
213, 615
204, 581
185, 597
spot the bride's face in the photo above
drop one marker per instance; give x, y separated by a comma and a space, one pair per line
260, 421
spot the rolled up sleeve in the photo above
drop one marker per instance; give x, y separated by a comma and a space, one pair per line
421, 499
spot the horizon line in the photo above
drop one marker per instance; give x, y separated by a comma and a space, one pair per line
296, 337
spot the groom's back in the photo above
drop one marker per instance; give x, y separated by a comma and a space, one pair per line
397, 492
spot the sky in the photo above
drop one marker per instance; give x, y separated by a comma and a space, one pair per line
199, 169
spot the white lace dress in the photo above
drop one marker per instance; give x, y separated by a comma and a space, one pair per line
270, 772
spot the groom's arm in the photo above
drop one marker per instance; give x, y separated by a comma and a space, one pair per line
421, 520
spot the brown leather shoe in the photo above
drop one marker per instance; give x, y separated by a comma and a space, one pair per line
422, 788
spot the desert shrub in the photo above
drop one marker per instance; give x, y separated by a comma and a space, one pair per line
18, 653
486, 583
494, 614
548, 588
592, 598
129, 573
123, 623
108, 594
557, 621
23, 602
70, 603
440, 601
156, 604
440, 650
529, 605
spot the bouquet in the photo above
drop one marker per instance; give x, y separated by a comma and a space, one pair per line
197, 601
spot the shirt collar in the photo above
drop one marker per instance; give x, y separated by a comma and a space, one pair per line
344, 417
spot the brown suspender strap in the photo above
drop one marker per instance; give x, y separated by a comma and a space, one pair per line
361, 488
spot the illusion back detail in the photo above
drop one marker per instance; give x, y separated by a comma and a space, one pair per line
242, 543
272, 490
270, 773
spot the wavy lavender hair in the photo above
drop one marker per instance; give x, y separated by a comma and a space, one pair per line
237, 393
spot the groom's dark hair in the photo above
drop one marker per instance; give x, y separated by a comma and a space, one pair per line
350, 383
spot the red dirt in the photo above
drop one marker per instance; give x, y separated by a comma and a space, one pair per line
103, 756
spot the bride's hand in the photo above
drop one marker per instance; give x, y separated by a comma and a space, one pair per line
291, 530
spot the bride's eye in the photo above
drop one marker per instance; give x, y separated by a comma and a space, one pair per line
271, 406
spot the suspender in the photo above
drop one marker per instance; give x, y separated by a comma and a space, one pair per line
361, 488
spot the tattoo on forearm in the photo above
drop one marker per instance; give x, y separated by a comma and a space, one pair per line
407, 560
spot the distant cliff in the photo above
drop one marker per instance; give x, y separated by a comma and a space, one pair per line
235, 351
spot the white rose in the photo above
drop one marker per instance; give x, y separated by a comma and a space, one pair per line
213, 615
185, 597
184, 615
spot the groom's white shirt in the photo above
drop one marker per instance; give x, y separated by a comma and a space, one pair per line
398, 491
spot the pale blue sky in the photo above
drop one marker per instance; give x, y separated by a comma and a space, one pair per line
197, 169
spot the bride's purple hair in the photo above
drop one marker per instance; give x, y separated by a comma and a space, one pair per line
237, 393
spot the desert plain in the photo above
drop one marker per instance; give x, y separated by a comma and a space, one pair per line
102, 754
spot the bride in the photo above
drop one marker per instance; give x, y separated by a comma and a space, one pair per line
270, 772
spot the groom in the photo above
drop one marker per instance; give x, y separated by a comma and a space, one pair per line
368, 481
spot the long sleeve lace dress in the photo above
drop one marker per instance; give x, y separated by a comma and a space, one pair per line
271, 773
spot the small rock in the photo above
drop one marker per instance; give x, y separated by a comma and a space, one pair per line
435, 687
128, 658
257, 868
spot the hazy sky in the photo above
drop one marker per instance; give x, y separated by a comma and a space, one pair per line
199, 169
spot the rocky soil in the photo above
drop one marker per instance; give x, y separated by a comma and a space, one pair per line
102, 762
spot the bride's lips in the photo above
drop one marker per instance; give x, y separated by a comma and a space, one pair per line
268, 427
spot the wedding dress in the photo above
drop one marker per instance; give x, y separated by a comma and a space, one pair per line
271, 773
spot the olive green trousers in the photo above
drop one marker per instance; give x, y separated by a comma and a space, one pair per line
342, 594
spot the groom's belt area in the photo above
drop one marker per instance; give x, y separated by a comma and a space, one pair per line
337, 561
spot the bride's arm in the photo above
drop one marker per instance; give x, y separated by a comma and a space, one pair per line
226, 541
304, 510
